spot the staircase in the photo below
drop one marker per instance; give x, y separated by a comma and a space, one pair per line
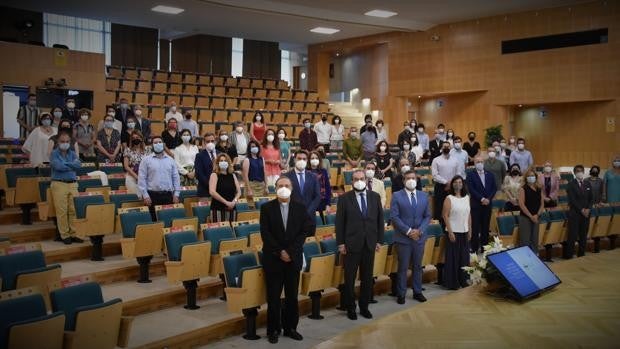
350, 115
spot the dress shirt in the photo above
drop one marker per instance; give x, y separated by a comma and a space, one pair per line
64, 166
241, 143
445, 168
323, 132
415, 197
158, 173
423, 141
459, 154
176, 115
284, 211
523, 158
191, 125
481, 175
358, 196
302, 180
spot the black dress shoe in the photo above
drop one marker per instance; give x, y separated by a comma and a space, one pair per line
366, 313
419, 297
273, 338
400, 300
293, 334
351, 314
78, 240
67, 241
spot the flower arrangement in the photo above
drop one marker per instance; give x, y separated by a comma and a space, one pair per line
480, 271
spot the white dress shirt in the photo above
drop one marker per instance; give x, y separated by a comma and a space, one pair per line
323, 131
445, 168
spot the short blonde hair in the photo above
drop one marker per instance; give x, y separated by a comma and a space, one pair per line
216, 166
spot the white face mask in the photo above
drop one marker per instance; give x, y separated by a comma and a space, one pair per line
270, 138
131, 124
370, 173
173, 108
579, 175
239, 129
547, 169
307, 125
531, 179
138, 113
210, 146
359, 185
410, 184
353, 134
405, 169
337, 121
84, 117
57, 114
283, 193
406, 146
259, 118
186, 138
70, 105
382, 148
281, 135
479, 166
301, 164
421, 130
521, 146
457, 146
224, 138
492, 154
314, 162
223, 165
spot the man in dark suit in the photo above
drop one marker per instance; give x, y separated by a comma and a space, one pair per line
405, 135
70, 111
143, 124
359, 233
482, 188
579, 204
203, 165
284, 225
435, 147
306, 188
123, 111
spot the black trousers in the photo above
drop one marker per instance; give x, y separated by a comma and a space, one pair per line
457, 256
159, 198
438, 198
480, 221
286, 277
364, 260
577, 231
325, 147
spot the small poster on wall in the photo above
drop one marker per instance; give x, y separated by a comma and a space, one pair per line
610, 125
60, 57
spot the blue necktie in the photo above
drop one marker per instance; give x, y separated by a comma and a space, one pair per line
364, 207
413, 200
302, 182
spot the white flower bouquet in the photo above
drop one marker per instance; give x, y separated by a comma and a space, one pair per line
480, 271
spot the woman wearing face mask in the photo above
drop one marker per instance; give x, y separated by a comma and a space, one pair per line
285, 150
549, 181
455, 213
224, 190
512, 143
450, 136
316, 167
417, 150
126, 133
407, 153
384, 161
224, 146
308, 139
511, 186
85, 136
271, 155
36, 145
56, 116
397, 180
185, 155
258, 127
471, 147
531, 204
253, 171
611, 182
132, 156
108, 142
381, 133
171, 136
596, 183
64, 126
117, 125
337, 135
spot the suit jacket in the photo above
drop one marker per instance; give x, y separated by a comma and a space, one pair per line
70, 114
435, 148
144, 125
276, 238
477, 191
405, 135
203, 166
579, 198
555, 185
397, 183
123, 118
352, 229
311, 197
405, 217
379, 187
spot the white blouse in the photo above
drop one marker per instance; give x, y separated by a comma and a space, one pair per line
418, 151
36, 144
337, 133
184, 156
459, 213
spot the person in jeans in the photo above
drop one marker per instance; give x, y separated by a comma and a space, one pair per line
532, 204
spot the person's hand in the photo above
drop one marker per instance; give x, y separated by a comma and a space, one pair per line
485, 201
585, 212
230, 204
547, 199
147, 201
175, 199
353, 163
446, 187
451, 236
469, 235
535, 218
378, 247
249, 192
284, 256
342, 249
514, 202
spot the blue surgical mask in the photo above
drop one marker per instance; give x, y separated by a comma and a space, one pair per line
186, 138
46, 122
158, 147
109, 124
64, 146
254, 150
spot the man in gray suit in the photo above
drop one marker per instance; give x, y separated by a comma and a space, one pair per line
359, 233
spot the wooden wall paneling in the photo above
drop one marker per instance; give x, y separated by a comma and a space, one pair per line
261, 58
134, 46
12, 25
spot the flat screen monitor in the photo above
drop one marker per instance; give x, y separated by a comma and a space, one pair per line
55, 97
524, 271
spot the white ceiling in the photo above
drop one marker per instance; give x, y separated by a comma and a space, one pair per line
284, 21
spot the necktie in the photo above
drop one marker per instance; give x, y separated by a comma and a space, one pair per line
370, 184
284, 215
364, 207
302, 182
413, 199
211, 155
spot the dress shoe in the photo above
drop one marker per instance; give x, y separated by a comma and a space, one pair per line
67, 241
400, 300
78, 240
419, 297
273, 338
366, 313
293, 334
352, 315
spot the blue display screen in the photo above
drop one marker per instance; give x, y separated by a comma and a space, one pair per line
525, 272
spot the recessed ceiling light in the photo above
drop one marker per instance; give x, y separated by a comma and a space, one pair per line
167, 9
324, 30
337, 54
380, 13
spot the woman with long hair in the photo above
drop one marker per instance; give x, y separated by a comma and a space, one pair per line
456, 215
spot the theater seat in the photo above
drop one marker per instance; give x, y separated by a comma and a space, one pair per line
600, 222
433, 232
141, 237
222, 239
317, 275
94, 219
244, 229
507, 229
167, 213
201, 210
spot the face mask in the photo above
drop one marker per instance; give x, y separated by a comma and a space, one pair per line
131, 124
46, 122
223, 165
84, 117
370, 173
514, 172
283, 193
379, 125
421, 129
281, 135
172, 126
259, 118
521, 146
186, 138
457, 186
239, 129
450, 134
254, 150
405, 169
512, 141
64, 146
413, 126
471, 138
382, 148
497, 148
503, 144
307, 125
57, 114
70, 105
124, 106
337, 121
594, 173
111, 113
492, 155
440, 131
224, 138
32, 103
406, 146
410, 184
270, 138
479, 166
173, 108
353, 134
300, 164
547, 169
413, 140
188, 116
445, 151
324, 119
158, 147
109, 124
457, 146
136, 141
531, 179
314, 162
210, 146
579, 175
359, 185
137, 112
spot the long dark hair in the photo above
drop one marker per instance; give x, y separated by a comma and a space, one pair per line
276, 140
451, 191
249, 149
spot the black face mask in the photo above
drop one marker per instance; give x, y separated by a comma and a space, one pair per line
594, 173
514, 172
188, 116
471, 138
445, 150
136, 141
324, 118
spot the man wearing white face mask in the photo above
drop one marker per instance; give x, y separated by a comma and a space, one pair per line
496, 166
173, 112
307, 137
203, 165
521, 156
374, 184
306, 187
284, 225
144, 124
240, 139
323, 131
579, 206
70, 112
482, 188
457, 151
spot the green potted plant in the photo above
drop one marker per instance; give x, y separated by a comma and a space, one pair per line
492, 133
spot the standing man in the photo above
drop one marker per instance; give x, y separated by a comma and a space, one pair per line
444, 168
70, 112
435, 147
405, 134
359, 233
579, 205
423, 140
410, 216
482, 188
158, 178
28, 116
457, 151
306, 187
521, 156
284, 226
375, 184
307, 137
323, 131
123, 112
240, 140
352, 149
144, 124
203, 165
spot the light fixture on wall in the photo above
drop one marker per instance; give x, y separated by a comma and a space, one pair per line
303, 76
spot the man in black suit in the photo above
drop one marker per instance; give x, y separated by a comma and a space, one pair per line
579, 205
203, 165
144, 124
306, 187
359, 233
284, 225
70, 111
123, 111
435, 146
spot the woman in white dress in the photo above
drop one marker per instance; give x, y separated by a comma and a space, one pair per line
185, 155
37, 142
337, 136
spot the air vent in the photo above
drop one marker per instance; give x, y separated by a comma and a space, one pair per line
589, 37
